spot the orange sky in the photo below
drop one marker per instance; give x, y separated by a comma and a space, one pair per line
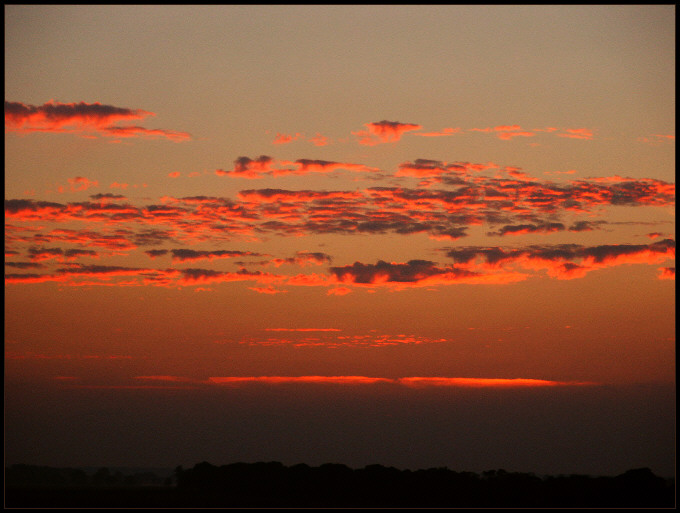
388, 201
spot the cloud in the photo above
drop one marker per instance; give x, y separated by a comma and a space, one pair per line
586, 226
319, 140
577, 133
195, 276
79, 183
406, 381
415, 273
77, 253
25, 265
152, 133
522, 229
507, 132
36, 254
56, 115
81, 118
302, 329
339, 291
285, 138
301, 258
384, 132
486, 382
427, 168
336, 380
667, 273
657, 139
155, 253
444, 132
245, 167
107, 197
184, 255
467, 197
268, 290
562, 261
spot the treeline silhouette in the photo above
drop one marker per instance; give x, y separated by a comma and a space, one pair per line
272, 484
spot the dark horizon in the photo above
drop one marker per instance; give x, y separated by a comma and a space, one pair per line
272, 484
618, 428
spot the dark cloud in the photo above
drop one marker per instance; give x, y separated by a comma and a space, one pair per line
411, 271
24, 265
189, 254
105, 196
75, 253
529, 228
82, 117
153, 253
35, 253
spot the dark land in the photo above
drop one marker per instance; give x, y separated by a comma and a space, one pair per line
274, 485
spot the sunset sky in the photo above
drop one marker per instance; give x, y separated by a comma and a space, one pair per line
409, 235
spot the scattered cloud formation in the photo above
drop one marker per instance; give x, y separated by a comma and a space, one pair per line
459, 197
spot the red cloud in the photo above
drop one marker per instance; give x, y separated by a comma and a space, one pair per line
302, 329
285, 138
339, 291
53, 116
184, 255
245, 167
486, 382
384, 132
667, 273
564, 261
301, 258
529, 228
509, 135
79, 183
474, 199
320, 140
407, 381
337, 380
416, 273
444, 132
427, 168
81, 118
577, 133
267, 290
138, 131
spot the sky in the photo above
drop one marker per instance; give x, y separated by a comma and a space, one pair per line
417, 236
